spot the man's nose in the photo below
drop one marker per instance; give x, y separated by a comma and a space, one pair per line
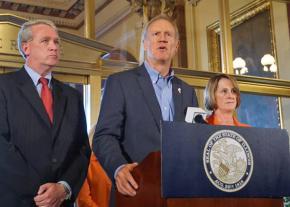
163, 37
53, 45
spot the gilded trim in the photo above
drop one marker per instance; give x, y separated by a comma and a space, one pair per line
238, 17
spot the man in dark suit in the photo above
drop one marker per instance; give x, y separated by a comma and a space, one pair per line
135, 102
44, 148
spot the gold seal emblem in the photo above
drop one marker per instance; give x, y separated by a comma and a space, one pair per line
228, 161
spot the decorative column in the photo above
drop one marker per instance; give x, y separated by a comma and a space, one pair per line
191, 42
94, 79
226, 37
178, 14
89, 19
192, 58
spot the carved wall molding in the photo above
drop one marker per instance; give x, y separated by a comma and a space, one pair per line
193, 2
152, 8
243, 14
237, 17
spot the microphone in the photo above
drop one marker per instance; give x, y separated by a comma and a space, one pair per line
199, 119
193, 112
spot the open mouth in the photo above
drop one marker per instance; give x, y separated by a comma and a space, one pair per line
162, 48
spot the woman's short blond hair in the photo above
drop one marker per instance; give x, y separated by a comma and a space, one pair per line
209, 92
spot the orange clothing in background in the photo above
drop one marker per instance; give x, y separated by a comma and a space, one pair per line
212, 120
96, 189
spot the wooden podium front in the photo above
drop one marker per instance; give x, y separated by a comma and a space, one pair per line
148, 175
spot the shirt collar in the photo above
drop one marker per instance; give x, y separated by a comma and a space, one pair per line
155, 75
35, 76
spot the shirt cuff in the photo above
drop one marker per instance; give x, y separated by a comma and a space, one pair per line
67, 189
117, 170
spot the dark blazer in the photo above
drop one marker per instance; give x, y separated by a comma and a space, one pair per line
32, 152
128, 127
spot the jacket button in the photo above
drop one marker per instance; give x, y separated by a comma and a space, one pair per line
54, 160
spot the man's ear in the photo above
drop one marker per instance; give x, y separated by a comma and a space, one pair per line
26, 48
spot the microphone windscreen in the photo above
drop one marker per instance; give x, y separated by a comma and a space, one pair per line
199, 119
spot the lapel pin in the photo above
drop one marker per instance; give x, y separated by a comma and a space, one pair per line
179, 90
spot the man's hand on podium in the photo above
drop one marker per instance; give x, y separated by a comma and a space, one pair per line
124, 180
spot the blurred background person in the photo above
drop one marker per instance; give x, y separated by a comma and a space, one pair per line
96, 189
222, 97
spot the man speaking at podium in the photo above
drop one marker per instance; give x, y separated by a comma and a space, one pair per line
134, 103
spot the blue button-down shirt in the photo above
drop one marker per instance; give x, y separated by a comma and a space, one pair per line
35, 78
163, 91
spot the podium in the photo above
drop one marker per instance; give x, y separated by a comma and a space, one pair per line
178, 175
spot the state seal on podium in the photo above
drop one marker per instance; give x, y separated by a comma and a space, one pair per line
228, 160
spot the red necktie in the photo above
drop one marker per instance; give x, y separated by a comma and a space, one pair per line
46, 98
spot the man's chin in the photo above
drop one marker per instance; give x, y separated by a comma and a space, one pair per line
52, 63
163, 59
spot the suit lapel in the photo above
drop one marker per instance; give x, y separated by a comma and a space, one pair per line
29, 91
149, 94
59, 102
177, 99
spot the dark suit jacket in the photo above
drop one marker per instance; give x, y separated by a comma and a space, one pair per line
128, 127
32, 152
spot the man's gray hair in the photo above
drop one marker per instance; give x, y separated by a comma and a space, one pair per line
164, 17
25, 32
